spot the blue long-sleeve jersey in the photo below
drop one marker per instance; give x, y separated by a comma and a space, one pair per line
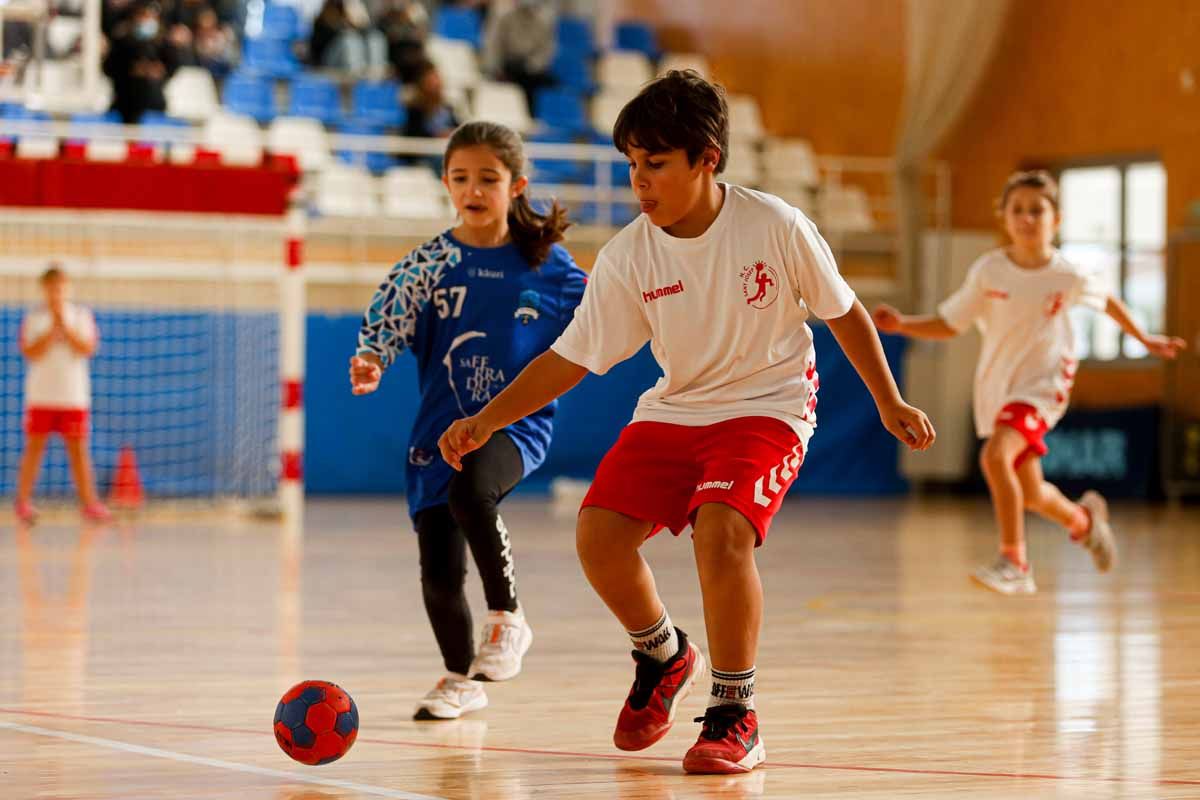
473, 318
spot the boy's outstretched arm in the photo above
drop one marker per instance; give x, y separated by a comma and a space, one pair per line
857, 337
1167, 347
546, 378
931, 326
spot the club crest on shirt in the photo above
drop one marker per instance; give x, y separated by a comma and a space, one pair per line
419, 458
529, 306
1054, 303
760, 284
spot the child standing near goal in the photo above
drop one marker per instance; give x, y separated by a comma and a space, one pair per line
474, 305
1019, 296
720, 279
57, 340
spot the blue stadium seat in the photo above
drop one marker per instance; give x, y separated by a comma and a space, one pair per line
269, 57
317, 97
562, 108
158, 119
251, 95
378, 103
377, 163
557, 170
459, 23
638, 36
621, 214
18, 113
280, 22
107, 118
573, 69
575, 34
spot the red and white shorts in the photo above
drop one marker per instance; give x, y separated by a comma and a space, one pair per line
1026, 420
663, 473
70, 423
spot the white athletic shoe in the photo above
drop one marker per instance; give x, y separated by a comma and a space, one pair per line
1005, 577
1100, 538
506, 639
453, 696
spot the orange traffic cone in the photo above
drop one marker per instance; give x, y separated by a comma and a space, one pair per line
127, 489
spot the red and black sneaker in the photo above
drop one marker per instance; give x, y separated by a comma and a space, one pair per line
658, 688
729, 742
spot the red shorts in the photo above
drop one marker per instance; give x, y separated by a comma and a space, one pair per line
70, 423
663, 473
1026, 420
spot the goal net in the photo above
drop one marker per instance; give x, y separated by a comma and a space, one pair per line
187, 374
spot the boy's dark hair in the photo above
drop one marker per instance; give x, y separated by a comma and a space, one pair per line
54, 272
421, 68
533, 232
680, 110
1038, 179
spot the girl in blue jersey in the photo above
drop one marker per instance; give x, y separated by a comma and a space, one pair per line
474, 305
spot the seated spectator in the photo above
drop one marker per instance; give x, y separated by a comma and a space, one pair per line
343, 39
405, 25
140, 60
184, 12
429, 115
214, 44
519, 46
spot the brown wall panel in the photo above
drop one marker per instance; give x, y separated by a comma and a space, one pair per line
832, 72
1080, 78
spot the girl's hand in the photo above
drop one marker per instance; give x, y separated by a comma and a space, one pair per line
908, 424
364, 375
886, 318
1168, 347
462, 437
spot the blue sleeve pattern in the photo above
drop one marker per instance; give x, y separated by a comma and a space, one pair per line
390, 322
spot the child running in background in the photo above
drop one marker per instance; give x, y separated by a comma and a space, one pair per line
1019, 296
474, 305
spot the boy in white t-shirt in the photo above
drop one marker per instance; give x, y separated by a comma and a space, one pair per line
1019, 297
57, 340
720, 280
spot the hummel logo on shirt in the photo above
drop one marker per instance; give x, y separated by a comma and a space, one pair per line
674, 288
700, 487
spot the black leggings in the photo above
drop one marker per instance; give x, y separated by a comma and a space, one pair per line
443, 534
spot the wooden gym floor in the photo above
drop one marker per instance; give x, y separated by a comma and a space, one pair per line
144, 661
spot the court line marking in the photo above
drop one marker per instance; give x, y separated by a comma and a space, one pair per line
170, 755
622, 757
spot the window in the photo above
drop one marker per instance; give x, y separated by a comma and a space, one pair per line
1115, 222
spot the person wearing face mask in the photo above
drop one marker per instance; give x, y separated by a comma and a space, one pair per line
140, 61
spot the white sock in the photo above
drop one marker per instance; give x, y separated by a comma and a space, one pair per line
659, 641
732, 688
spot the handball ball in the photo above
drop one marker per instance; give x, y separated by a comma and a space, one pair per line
316, 722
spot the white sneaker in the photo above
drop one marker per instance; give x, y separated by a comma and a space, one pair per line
1005, 577
506, 639
1100, 538
453, 696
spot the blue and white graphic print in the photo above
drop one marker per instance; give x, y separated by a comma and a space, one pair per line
473, 318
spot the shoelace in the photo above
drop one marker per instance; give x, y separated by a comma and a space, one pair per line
506, 639
649, 673
1007, 569
718, 720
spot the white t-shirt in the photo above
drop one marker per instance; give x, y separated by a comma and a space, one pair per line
724, 312
59, 379
1028, 351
